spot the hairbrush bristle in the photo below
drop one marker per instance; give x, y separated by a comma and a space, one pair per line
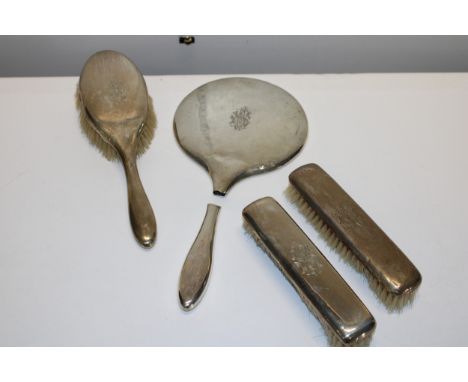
392, 302
333, 339
145, 135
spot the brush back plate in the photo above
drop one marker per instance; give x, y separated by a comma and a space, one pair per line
112, 88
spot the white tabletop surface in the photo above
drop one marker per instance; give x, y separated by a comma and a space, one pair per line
71, 272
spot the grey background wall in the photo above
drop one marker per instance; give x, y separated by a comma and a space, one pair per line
159, 55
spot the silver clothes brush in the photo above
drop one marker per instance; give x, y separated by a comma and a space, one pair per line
342, 314
346, 227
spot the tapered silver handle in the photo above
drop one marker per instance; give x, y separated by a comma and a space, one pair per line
197, 265
141, 213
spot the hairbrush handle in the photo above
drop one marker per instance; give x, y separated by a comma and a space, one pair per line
141, 213
197, 265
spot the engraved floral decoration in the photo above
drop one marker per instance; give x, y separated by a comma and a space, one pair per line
240, 118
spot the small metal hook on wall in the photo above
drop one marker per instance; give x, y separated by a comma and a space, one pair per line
187, 40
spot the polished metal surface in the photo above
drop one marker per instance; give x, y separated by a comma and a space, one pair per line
320, 286
114, 95
197, 265
372, 247
238, 127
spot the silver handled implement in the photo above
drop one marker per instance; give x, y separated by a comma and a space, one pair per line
116, 114
197, 265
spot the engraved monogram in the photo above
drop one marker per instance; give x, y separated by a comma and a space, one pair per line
240, 118
118, 90
304, 261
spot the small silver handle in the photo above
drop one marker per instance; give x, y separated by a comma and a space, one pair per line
197, 265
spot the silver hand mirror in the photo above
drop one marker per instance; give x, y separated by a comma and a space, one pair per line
235, 127
238, 127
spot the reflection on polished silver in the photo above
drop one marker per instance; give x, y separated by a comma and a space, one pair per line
197, 265
238, 127
117, 116
344, 317
346, 226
